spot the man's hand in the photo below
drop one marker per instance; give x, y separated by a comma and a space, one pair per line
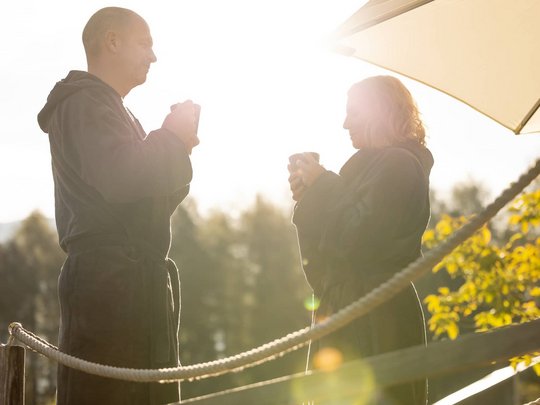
183, 121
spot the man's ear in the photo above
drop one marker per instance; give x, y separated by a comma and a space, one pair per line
112, 41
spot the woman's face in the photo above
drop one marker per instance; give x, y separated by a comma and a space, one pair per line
359, 114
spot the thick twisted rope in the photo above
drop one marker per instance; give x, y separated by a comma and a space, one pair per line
296, 339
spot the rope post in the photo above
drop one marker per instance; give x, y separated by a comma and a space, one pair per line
11, 374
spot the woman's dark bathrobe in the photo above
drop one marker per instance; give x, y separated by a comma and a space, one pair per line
356, 230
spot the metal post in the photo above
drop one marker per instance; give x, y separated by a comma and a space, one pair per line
11, 375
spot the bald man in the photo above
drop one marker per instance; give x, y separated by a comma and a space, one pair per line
115, 190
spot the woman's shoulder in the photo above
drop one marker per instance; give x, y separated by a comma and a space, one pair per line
396, 158
407, 157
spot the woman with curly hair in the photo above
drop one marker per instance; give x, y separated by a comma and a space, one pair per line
359, 227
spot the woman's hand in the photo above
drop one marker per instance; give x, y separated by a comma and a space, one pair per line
296, 184
303, 172
309, 169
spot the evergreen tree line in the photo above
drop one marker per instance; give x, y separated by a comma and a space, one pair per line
242, 286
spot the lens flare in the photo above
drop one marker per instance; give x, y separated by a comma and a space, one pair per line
312, 303
334, 388
321, 318
328, 359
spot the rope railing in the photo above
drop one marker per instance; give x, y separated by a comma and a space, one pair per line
297, 339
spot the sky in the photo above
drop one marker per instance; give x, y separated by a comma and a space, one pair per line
268, 86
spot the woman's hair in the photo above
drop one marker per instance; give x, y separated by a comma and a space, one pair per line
395, 117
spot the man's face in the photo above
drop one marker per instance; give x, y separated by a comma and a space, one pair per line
135, 52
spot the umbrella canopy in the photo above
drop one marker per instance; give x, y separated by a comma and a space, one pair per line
481, 52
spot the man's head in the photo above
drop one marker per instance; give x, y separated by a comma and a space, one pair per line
118, 48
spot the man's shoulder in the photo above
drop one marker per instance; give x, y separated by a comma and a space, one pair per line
98, 94
91, 98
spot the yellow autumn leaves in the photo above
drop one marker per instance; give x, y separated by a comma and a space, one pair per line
498, 281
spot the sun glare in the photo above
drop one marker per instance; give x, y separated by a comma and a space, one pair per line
268, 86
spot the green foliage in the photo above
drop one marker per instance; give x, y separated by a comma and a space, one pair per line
29, 267
497, 282
242, 286
466, 198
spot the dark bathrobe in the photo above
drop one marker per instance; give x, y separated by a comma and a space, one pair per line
356, 230
115, 191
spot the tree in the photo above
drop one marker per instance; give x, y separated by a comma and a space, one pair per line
242, 286
466, 198
499, 281
278, 287
201, 295
29, 267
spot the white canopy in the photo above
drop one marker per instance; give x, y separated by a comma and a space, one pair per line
482, 52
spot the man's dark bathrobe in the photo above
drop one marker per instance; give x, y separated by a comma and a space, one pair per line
356, 230
115, 191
